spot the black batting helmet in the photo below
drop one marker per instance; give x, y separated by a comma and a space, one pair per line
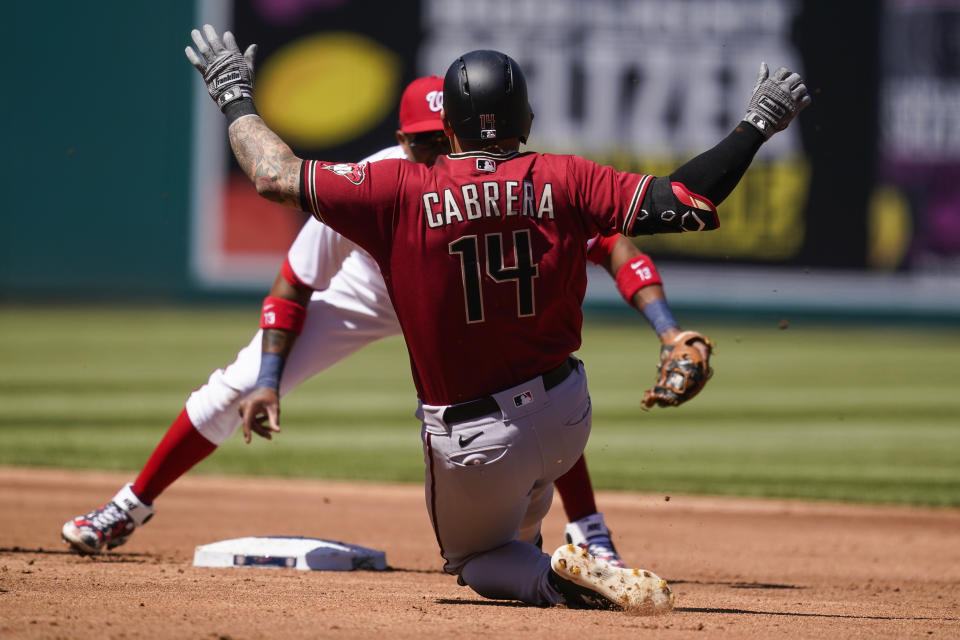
485, 97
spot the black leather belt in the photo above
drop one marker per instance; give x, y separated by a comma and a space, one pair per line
486, 405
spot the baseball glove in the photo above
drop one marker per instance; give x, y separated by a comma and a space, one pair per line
683, 371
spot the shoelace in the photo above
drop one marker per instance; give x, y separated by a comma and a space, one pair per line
600, 542
108, 516
603, 549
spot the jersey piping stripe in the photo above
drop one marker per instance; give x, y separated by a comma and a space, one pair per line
635, 204
311, 185
291, 276
483, 154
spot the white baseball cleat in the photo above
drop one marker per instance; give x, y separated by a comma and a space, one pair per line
588, 583
591, 533
108, 526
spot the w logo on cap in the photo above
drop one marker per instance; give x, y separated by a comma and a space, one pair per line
435, 101
421, 104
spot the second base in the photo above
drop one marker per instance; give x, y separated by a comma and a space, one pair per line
291, 552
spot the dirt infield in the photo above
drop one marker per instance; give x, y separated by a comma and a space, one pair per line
741, 568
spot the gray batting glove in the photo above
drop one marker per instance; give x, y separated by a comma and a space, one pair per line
227, 74
776, 101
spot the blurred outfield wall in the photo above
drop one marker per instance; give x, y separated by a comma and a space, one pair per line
122, 185
96, 121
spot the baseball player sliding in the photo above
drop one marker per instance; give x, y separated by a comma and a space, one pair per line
496, 240
346, 307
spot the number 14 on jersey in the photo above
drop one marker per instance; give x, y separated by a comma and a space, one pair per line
523, 273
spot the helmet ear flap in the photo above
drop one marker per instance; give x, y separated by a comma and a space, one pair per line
523, 138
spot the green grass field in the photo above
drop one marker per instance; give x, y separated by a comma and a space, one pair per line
839, 413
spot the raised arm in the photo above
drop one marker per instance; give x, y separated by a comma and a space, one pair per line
267, 160
687, 199
774, 103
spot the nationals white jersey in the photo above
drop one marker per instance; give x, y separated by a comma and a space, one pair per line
349, 309
319, 253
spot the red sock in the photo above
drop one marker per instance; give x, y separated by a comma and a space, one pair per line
576, 492
180, 449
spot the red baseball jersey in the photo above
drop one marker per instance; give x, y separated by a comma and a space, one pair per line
484, 255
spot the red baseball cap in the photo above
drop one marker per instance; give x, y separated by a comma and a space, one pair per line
420, 105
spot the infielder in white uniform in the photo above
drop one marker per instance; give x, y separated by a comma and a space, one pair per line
347, 307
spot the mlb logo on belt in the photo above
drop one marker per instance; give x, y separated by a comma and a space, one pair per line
524, 398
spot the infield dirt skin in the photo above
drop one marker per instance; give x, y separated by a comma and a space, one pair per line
740, 568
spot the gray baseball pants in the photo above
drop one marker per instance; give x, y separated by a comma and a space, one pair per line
489, 480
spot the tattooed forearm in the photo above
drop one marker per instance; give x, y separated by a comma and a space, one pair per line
267, 160
278, 341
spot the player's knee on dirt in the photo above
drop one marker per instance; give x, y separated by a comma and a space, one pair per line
504, 574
